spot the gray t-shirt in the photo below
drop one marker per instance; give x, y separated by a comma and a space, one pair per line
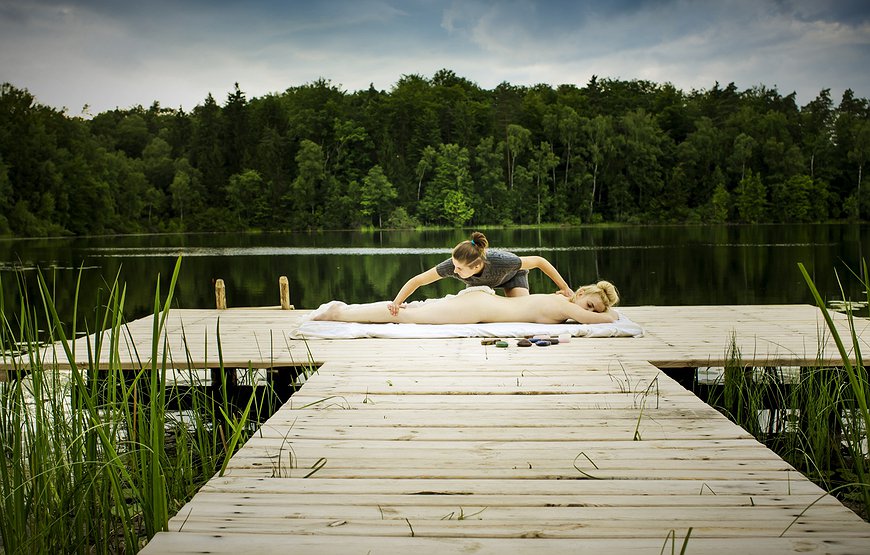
502, 269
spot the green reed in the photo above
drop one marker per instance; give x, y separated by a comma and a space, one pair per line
816, 420
95, 458
855, 415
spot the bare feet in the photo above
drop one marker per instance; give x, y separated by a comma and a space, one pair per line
329, 312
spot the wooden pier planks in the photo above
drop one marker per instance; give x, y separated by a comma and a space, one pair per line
441, 446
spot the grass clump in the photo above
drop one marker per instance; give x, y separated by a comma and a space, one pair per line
100, 465
816, 418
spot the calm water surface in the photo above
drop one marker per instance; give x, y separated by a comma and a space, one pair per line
661, 265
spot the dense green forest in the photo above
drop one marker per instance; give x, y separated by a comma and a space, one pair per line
439, 151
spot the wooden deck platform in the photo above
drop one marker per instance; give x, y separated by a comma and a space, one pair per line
449, 446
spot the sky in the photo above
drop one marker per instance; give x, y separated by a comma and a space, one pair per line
90, 56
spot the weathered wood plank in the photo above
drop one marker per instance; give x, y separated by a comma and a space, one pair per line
636, 487
518, 473
475, 527
793, 502
272, 542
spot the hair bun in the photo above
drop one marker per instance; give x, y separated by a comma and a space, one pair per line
609, 291
479, 240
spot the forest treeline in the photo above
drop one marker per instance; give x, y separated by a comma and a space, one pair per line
434, 151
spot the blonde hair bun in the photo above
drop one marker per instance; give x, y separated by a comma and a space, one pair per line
609, 292
604, 289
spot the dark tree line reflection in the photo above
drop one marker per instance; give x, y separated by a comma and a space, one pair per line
651, 265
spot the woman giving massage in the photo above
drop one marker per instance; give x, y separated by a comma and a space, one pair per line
472, 263
588, 305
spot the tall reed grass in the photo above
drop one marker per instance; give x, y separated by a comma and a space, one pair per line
816, 419
97, 460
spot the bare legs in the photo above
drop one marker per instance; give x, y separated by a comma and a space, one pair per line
378, 313
441, 311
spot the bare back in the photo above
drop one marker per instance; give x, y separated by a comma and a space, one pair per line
480, 307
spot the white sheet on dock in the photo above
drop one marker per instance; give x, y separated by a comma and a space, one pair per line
319, 329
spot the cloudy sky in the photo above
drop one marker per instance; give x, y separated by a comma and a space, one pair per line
114, 53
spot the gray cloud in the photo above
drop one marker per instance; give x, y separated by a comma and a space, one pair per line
107, 54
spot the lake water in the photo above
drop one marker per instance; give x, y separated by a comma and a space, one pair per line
651, 265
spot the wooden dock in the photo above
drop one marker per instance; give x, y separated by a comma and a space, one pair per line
449, 446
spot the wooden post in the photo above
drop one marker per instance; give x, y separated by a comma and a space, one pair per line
284, 287
220, 294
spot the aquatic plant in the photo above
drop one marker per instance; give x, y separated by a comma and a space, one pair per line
816, 418
854, 413
97, 456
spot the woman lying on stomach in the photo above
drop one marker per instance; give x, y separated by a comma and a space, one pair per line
590, 304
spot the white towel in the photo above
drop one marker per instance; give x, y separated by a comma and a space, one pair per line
321, 329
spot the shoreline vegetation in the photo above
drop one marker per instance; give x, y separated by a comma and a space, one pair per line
97, 461
435, 151
370, 229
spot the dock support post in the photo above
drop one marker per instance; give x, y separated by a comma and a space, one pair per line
284, 287
220, 294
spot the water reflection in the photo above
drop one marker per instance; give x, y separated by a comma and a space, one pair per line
660, 265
